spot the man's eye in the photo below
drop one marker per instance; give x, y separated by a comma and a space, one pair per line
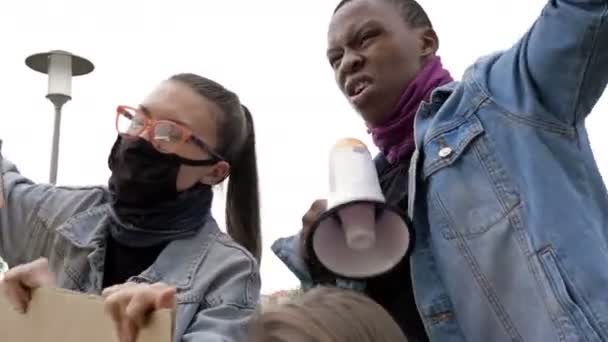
367, 37
335, 61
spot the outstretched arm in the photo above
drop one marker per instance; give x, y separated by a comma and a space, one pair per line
32, 211
558, 70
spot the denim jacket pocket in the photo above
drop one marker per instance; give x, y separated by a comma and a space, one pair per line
567, 299
468, 189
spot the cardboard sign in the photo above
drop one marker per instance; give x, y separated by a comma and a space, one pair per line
56, 315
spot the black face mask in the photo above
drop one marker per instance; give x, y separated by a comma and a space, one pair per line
141, 175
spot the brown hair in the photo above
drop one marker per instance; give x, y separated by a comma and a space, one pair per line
326, 315
237, 145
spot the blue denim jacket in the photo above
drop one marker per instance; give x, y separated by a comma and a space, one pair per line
217, 280
510, 212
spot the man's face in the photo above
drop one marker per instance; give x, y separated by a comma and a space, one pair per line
374, 54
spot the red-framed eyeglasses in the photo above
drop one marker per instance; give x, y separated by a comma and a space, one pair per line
166, 136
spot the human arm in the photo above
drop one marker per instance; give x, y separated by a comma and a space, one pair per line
294, 253
32, 211
558, 70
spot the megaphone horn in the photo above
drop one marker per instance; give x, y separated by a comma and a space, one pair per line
359, 236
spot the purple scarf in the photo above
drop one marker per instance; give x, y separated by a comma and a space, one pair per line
395, 137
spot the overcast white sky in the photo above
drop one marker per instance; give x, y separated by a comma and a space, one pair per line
272, 53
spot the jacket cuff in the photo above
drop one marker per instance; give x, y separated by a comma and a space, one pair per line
287, 249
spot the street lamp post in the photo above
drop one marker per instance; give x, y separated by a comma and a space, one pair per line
60, 66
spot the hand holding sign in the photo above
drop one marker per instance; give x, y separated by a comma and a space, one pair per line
128, 313
19, 282
130, 306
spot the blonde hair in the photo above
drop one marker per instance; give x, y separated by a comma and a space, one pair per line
326, 315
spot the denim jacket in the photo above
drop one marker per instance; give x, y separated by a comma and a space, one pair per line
217, 280
510, 212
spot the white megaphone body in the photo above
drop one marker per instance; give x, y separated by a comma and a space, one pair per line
359, 236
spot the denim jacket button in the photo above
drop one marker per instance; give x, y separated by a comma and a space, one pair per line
445, 152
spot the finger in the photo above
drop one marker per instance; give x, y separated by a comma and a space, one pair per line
167, 299
18, 297
320, 205
149, 298
142, 303
129, 331
121, 329
317, 208
108, 291
37, 274
21, 279
32, 275
114, 307
117, 301
314, 207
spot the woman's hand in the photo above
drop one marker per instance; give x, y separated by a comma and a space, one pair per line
18, 282
130, 306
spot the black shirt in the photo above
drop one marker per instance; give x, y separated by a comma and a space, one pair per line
122, 262
394, 290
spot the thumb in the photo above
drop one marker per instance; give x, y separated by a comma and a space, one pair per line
315, 211
37, 274
166, 299
20, 280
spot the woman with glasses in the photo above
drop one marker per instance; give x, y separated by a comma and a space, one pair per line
148, 240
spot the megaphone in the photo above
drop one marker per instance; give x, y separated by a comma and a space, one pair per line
359, 236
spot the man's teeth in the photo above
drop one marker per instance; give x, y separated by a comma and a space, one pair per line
359, 88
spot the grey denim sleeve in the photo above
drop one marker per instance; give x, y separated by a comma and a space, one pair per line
32, 212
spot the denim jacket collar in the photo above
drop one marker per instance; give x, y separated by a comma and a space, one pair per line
190, 251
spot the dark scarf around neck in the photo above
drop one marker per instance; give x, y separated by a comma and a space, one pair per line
177, 219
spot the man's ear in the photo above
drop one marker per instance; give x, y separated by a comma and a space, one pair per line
429, 42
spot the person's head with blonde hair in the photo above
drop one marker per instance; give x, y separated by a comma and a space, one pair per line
326, 315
